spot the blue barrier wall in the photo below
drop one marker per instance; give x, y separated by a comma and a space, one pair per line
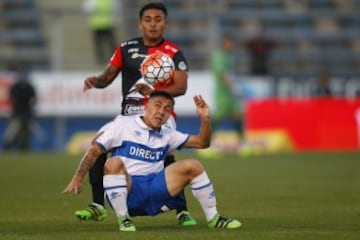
58, 131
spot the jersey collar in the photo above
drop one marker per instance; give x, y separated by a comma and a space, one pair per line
157, 45
152, 132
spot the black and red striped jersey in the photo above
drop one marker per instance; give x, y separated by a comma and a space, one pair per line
128, 57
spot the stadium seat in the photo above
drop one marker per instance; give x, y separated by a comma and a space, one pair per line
21, 37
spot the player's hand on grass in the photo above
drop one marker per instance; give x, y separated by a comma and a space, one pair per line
75, 186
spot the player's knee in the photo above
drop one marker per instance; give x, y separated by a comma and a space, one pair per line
114, 166
193, 166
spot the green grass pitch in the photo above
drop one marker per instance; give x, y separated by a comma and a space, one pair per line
282, 196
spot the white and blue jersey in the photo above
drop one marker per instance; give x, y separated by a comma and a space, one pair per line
143, 152
142, 149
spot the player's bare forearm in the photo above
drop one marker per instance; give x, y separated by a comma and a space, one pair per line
88, 160
203, 139
175, 91
205, 133
107, 77
103, 80
180, 84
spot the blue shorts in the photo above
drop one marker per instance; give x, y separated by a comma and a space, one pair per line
149, 196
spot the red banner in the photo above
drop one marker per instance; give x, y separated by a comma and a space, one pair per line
5, 83
312, 124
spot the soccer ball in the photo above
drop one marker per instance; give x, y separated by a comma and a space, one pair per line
157, 68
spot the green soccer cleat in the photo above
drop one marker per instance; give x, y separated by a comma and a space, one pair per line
125, 224
223, 222
185, 219
92, 212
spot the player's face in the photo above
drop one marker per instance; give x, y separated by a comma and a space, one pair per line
157, 111
153, 24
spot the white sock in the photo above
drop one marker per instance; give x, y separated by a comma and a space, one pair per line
115, 187
203, 191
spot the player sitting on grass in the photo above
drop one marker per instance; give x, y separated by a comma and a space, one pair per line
135, 181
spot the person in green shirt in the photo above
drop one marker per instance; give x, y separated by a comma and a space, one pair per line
227, 123
101, 21
223, 65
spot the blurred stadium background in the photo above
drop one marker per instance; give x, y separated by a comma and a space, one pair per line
314, 36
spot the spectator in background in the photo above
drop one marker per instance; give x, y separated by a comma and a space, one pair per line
102, 25
259, 49
23, 98
322, 89
227, 117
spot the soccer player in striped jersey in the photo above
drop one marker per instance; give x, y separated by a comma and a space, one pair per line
135, 181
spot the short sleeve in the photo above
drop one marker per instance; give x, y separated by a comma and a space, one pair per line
112, 135
180, 61
177, 139
116, 59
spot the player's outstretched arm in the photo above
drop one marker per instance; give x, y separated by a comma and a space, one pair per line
203, 139
103, 80
88, 160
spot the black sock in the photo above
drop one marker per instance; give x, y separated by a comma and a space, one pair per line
96, 175
169, 160
98, 194
184, 207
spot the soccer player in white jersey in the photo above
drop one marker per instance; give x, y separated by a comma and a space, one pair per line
135, 181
